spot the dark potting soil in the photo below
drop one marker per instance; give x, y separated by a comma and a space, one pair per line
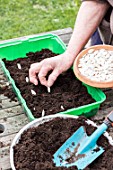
37, 145
66, 93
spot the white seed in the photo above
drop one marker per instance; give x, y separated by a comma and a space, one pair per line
33, 92
7, 84
103, 52
43, 113
111, 53
19, 66
48, 89
62, 107
27, 79
95, 52
79, 65
90, 51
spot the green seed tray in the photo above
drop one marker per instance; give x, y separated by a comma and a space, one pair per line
18, 48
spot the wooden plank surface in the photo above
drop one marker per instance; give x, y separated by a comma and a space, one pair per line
4, 158
10, 112
6, 103
64, 34
13, 118
13, 124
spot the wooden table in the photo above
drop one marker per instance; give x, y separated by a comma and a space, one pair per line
13, 118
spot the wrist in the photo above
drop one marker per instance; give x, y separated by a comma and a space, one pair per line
70, 57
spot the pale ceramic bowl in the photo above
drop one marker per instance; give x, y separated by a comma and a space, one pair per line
42, 120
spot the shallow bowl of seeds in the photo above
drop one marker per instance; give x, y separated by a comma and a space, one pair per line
94, 66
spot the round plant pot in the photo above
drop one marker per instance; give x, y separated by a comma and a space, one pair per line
84, 78
42, 121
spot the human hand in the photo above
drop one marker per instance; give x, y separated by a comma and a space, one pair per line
57, 65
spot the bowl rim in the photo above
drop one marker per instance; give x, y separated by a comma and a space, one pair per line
85, 79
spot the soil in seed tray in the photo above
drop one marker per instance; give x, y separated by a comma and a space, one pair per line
66, 93
38, 144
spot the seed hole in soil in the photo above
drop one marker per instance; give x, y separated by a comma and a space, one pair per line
2, 128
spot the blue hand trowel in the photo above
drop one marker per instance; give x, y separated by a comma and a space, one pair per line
81, 150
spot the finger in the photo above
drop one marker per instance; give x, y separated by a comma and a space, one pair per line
34, 65
32, 76
34, 69
52, 77
43, 73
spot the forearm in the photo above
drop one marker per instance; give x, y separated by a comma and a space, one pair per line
89, 17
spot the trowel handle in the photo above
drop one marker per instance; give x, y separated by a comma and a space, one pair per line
109, 119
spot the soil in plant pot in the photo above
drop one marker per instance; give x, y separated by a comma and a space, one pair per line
66, 93
37, 145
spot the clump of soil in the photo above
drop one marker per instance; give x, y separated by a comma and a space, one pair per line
38, 144
1, 144
66, 93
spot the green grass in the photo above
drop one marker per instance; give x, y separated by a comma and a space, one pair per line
25, 17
